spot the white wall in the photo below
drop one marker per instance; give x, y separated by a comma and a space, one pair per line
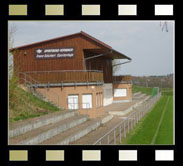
108, 94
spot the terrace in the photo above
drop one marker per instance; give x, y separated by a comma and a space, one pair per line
62, 77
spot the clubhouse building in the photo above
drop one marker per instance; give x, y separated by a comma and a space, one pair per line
73, 72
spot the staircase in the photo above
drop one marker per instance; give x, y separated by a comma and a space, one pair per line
32, 85
59, 128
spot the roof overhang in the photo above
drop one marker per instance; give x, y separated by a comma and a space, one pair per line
107, 53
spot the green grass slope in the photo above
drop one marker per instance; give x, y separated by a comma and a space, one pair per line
24, 105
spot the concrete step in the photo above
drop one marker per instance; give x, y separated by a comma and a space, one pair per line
131, 108
74, 133
41, 134
136, 94
93, 136
24, 126
140, 96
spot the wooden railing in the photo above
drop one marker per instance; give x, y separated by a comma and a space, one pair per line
121, 79
66, 76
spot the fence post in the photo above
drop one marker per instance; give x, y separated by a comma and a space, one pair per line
124, 130
108, 139
120, 134
134, 118
114, 136
45, 92
128, 126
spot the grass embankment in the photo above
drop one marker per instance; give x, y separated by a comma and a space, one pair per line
156, 127
24, 105
147, 91
166, 91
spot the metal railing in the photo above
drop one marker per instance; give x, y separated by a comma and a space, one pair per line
66, 76
115, 135
28, 81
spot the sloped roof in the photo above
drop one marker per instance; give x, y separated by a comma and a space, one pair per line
66, 36
74, 34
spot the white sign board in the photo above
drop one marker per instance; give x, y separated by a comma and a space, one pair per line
49, 53
120, 92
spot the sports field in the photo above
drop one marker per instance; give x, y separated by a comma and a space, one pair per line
157, 126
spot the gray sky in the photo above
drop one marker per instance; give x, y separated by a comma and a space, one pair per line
151, 49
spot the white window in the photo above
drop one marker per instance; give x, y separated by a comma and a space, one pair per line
73, 102
120, 92
87, 101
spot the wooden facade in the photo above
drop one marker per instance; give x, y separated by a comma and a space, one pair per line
84, 46
102, 64
79, 75
121, 79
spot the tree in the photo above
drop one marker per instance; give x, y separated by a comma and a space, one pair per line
13, 80
115, 68
11, 32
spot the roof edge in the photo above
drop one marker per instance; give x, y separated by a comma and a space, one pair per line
62, 37
126, 57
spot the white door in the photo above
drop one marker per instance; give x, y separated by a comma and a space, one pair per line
87, 101
120, 92
73, 102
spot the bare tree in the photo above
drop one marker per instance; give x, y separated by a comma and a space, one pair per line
115, 68
164, 25
11, 32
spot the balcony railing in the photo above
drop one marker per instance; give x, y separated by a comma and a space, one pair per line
66, 76
122, 79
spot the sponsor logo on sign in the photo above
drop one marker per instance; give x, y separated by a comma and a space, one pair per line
45, 53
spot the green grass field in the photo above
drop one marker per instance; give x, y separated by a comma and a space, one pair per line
156, 127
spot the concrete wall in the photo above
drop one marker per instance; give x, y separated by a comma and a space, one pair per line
77, 90
108, 94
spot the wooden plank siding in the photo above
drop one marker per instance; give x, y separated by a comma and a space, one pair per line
28, 62
102, 64
124, 78
63, 77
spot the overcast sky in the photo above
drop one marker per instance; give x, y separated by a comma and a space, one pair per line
151, 49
